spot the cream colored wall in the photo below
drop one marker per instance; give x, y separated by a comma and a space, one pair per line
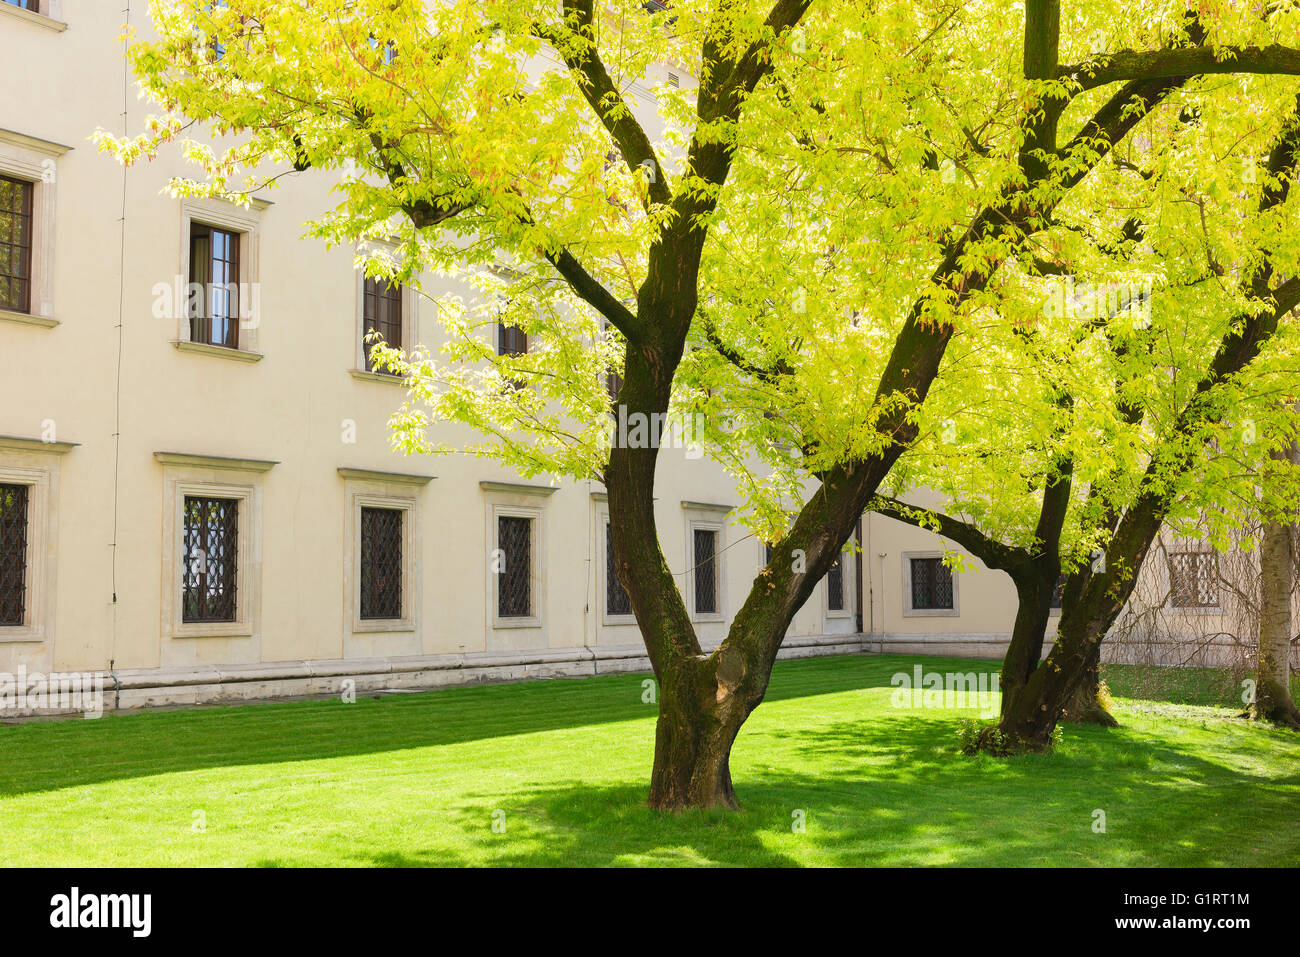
289, 407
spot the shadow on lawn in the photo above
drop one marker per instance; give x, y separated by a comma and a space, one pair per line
890, 791
40, 756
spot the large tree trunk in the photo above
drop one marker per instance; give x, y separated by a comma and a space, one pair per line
700, 714
1085, 705
1033, 610
1273, 681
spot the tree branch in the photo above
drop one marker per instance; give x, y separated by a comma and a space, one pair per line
578, 49
991, 552
1129, 65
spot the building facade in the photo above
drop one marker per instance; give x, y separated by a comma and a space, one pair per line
199, 499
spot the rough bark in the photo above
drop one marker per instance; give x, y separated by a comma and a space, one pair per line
1085, 705
1093, 600
704, 700
1273, 700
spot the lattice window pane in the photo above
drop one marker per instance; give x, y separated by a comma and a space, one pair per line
514, 577
13, 554
15, 244
211, 542
381, 562
835, 584
931, 585
706, 572
382, 313
617, 601
1194, 579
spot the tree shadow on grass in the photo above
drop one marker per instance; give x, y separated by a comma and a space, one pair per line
42, 756
893, 792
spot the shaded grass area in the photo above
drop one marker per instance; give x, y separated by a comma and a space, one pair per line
1210, 686
553, 773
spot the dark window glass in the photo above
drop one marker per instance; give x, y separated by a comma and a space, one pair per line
211, 541
1194, 580
511, 340
835, 584
15, 244
617, 601
706, 572
1058, 591
613, 383
32, 5
382, 313
214, 267
13, 554
514, 576
931, 585
381, 562
768, 551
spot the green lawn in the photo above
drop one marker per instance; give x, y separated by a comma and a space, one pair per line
415, 779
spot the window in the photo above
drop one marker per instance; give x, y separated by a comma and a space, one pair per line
514, 571
1194, 579
768, 551
220, 315
33, 5
381, 310
15, 244
381, 562
212, 529
13, 554
706, 571
1058, 593
931, 585
211, 549
617, 601
835, 584
214, 267
511, 340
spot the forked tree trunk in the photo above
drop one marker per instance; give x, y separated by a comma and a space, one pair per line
1084, 705
700, 714
1273, 681
1033, 610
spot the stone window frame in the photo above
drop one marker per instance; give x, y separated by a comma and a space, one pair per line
247, 223
602, 577
365, 488
241, 480
36, 464
848, 588
49, 14
908, 610
36, 161
522, 501
706, 517
1192, 548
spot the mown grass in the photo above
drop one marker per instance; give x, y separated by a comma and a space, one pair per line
420, 779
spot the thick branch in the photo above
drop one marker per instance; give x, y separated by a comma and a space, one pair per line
1128, 65
991, 552
1042, 38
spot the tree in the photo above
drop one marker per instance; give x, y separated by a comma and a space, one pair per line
1277, 590
1195, 396
791, 257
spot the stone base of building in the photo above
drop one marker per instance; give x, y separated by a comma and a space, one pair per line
156, 688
